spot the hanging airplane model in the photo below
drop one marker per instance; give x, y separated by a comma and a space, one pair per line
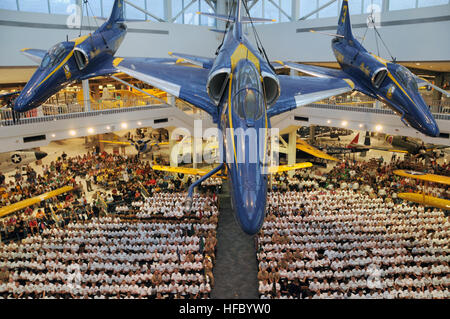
141, 146
12, 160
241, 91
79, 59
378, 78
403, 144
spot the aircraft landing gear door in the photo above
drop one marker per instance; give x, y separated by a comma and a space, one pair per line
81, 59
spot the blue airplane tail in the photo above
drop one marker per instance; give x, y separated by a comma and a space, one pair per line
117, 12
344, 24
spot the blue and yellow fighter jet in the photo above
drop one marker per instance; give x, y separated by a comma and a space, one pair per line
75, 60
78, 59
376, 77
241, 91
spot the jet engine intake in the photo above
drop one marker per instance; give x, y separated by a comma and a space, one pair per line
378, 77
81, 58
271, 88
217, 82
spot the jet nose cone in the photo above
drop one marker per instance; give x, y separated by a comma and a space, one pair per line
251, 212
433, 130
20, 104
40, 155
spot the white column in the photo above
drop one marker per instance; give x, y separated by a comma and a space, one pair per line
86, 95
295, 14
168, 10
385, 6
172, 144
170, 99
292, 153
221, 8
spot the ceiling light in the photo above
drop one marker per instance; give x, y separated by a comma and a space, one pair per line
139, 123
108, 127
344, 123
90, 130
53, 135
378, 128
328, 121
361, 125
72, 132
124, 125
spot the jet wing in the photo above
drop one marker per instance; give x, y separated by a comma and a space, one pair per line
159, 143
184, 170
203, 62
424, 177
6, 210
426, 200
388, 149
34, 54
316, 71
305, 147
301, 90
422, 83
284, 168
186, 83
106, 67
115, 142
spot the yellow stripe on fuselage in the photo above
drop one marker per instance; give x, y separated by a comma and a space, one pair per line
380, 59
77, 42
57, 68
385, 62
401, 87
241, 53
230, 118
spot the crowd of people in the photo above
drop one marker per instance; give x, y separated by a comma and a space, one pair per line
124, 232
110, 258
374, 177
346, 235
109, 246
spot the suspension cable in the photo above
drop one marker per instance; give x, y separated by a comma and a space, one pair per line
258, 40
95, 20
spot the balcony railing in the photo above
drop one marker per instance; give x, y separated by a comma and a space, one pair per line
49, 112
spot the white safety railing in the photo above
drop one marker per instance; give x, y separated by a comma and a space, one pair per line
48, 112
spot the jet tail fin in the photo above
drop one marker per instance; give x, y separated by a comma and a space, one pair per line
117, 11
344, 25
354, 141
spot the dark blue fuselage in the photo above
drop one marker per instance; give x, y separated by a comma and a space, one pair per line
78, 59
244, 123
389, 82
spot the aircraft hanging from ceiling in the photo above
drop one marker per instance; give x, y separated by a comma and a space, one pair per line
403, 144
141, 146
240, 90
376, 77
12, 160
79, 59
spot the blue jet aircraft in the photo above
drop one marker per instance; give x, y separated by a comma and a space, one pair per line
78, 59
241, 91
376, 77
